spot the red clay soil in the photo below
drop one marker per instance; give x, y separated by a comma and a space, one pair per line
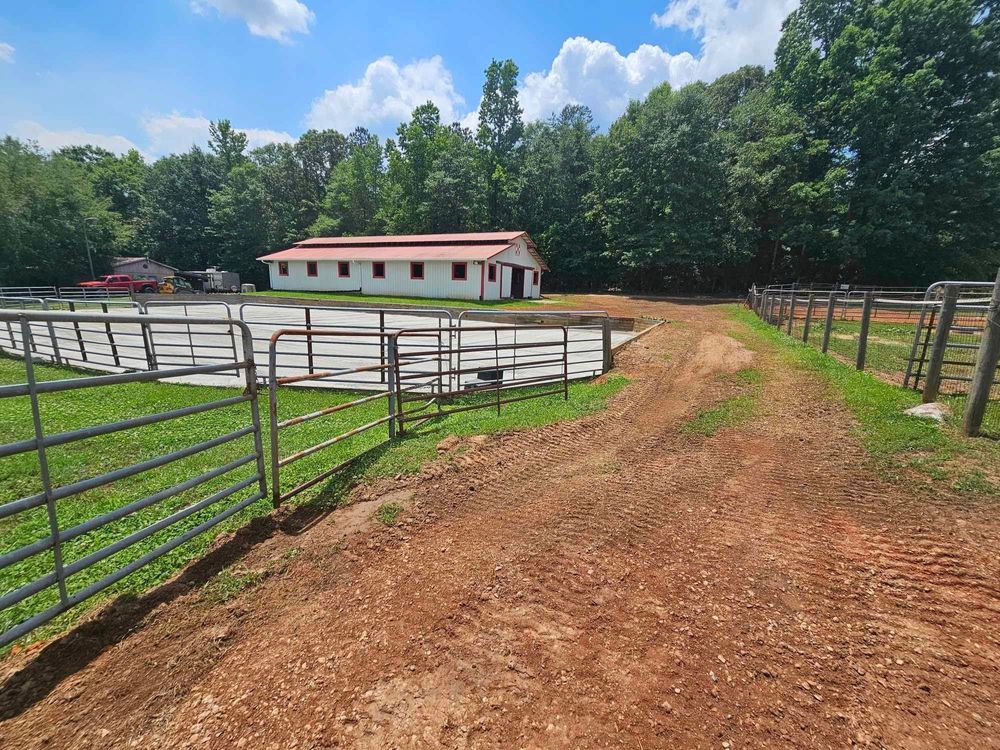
608, 582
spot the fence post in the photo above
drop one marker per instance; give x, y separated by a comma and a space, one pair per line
43, 466
272, 414
381, 347
609, 360
79, 335
932, 381
52, 337
829, 321
809, 315
986, 367
781, 310
111, 337
309, 342
866, 319
393, 363
791, 313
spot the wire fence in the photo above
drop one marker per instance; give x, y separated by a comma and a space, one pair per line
904, 336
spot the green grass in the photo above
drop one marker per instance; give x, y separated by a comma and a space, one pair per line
897, 442
515, 304
888, 343
387, 513
87, 458
733, 411
228, 584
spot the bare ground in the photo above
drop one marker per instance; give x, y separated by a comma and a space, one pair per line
609, 582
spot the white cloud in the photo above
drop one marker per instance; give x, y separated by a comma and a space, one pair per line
596, 74
731, 32
175, 133
386, 95
275, 19
50, 140
6, 52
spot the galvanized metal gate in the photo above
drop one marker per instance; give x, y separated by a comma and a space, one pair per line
41, 578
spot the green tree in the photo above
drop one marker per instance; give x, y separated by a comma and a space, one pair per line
454, 187
242, 221
500, 131
351, 204
557, 177
44, 201
174, 223
661, 193
227, 143
901, 96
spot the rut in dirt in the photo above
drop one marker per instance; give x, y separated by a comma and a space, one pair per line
613, 581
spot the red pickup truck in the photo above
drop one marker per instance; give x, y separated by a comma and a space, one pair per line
122, 281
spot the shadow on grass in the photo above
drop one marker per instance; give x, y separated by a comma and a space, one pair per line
73, 651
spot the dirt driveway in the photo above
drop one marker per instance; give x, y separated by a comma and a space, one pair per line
610, 582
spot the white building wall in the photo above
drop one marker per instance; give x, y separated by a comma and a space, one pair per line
518, 255
437, 281
326, 279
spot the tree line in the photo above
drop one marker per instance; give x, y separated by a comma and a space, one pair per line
869, 154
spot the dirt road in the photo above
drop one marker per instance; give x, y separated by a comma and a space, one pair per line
610, 582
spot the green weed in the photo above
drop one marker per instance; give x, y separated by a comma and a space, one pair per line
387, 513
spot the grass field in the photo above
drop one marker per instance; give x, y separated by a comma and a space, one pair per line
510, 304
897, 442
75, 461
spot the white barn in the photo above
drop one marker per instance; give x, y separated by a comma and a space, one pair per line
473, 266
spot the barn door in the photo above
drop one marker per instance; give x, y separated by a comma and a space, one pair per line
517, 283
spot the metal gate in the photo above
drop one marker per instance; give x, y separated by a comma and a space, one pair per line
55, 551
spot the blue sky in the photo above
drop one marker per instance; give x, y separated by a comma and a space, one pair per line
151, 73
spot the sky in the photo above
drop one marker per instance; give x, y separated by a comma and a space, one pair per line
151, 74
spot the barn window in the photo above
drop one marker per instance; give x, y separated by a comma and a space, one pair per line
459, 271
282, 268
312, 268
343, 269
378, 270
534, 278
491, 272
417, 269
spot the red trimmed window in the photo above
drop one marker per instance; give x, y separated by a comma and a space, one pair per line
491, 272
344, 269
378, 270
312, 268
534, 278
282, 268
459, 271
417, 269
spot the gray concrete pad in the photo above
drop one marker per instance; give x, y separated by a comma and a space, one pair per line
120, 345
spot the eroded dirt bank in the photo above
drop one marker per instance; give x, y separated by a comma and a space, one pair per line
610, 582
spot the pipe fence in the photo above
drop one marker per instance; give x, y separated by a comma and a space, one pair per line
67, 537
165, 475
928, 339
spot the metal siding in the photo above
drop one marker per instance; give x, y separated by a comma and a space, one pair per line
326, 281
437, 280
135, 268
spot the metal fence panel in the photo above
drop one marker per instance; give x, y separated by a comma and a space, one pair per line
57, 551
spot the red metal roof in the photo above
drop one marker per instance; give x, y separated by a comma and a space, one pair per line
460, 246
463, 238
406, 252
